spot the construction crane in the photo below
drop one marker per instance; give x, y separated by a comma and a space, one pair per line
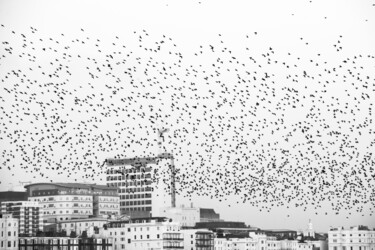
139, 162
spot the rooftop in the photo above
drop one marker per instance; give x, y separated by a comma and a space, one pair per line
74, 185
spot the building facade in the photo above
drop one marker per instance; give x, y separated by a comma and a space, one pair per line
198, 239
143, 193
64, 243
9, 232
186, 216
29, 214
189, 216
144, 234
12, 196
66, 201
78, 226
354, 238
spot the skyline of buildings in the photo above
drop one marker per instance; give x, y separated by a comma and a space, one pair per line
64, 201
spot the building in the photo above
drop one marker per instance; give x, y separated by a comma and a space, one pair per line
295, 245
198, 239
64, 243
226, 227
67, 201
78, 226
318, 244
143, 193
208, 215
281, 234
13, 196
354, 238
30, 215
189, 216
253, 241
186, 216
144, 233
9, 232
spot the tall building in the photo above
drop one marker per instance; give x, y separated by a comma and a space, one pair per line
9, 232
66, 201
30, 215
144, 184
354, 238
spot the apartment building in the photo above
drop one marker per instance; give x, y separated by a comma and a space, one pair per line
65, 243
354, 238
198, 239
143, 185
144, 233
8, 232
29, 214
90, 225
67, 201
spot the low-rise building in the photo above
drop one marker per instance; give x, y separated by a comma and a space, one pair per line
295, 245
78, 226
189, 216
65, 243
144, 233
354, 238
186, 216
30, 215
198, 239
8, 232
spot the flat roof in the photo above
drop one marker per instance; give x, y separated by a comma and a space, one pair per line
74, 185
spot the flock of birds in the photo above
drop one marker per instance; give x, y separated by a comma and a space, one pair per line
267, 127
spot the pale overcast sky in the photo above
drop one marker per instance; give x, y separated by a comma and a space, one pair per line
312, 37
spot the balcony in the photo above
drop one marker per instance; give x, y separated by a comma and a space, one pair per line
173, 238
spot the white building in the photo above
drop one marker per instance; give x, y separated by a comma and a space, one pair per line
89, 225
66, 201
235, 244
9, 232
30, 215
355, 238
143, 191
186, 216
257, 241
195, 239
318, 244
144, 233
295, 245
